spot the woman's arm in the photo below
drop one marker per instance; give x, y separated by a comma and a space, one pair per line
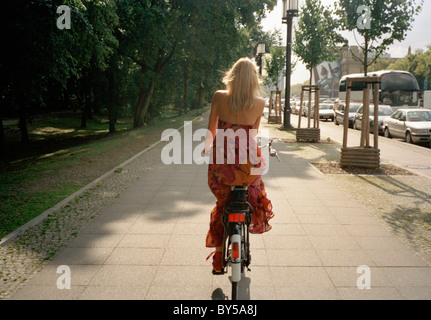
212, 124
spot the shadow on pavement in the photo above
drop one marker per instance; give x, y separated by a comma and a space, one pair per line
243, 291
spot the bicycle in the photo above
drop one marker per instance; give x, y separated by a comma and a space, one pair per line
236, 222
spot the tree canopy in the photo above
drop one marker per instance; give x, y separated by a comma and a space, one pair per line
122, 56
379, 22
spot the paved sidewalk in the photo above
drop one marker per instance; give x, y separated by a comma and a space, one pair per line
149, 244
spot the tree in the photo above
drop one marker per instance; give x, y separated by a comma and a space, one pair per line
315, 38
26, 68
99, 43
381, 64
220, 32
148, 40
42, 60
210, 36
275, 66
124, 54
379, 22
423, 68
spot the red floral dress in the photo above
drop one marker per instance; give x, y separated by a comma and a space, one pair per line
223, 175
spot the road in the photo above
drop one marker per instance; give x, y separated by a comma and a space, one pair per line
414, 158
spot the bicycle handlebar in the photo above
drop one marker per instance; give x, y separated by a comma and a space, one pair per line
272, 151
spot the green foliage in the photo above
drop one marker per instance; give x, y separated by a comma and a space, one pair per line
422, 70
316, 40
275, 64
389, 22
123, 56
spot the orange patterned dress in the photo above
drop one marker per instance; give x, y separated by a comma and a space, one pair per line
223, 175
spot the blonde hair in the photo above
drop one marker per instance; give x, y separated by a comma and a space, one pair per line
242, 84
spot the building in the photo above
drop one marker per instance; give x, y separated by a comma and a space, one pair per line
351, 65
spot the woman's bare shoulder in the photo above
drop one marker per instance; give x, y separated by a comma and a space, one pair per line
260, 102
221, 93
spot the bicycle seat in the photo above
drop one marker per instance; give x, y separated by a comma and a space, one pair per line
239, 193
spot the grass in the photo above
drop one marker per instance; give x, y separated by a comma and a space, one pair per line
62, 158
19, 207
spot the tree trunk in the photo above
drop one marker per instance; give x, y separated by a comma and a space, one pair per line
84, 104
145, 94
141, 107
23, 127
201, 95
110, 106
2, 139
185, 89
199, 98
309, 100
366, 56
84, 115
86, 100
22, 119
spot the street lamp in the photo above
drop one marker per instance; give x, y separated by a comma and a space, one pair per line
290, 10
260, 52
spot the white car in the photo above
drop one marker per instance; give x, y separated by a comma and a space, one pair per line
326, 111
414, 125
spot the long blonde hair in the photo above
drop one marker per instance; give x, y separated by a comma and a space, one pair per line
242, 84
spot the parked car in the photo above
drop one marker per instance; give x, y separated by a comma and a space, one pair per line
414, 125
331, 101
339, 113
295, 110
305, 108
385, 111
293, 106
326, 111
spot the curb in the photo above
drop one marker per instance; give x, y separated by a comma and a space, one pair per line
64, 202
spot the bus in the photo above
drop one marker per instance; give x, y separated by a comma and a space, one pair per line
398, 89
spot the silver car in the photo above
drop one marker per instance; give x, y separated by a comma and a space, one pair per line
414, 125
384, 112
339, 113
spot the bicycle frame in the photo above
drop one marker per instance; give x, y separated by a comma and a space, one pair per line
236, 245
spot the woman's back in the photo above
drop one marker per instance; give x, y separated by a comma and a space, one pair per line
249, 116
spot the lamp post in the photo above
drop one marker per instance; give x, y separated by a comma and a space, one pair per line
290, 10
260, 53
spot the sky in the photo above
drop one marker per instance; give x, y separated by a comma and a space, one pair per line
417, 38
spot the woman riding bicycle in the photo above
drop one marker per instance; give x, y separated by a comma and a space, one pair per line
239, 107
